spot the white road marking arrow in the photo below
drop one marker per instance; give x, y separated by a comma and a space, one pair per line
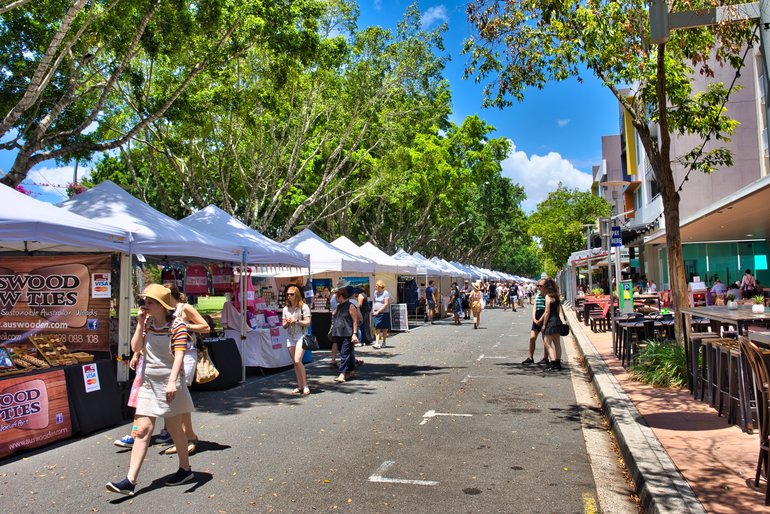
432, 414
377, 476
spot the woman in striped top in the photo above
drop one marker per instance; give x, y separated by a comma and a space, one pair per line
163, 340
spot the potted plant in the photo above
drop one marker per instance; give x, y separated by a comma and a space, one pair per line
731, 303
759, 304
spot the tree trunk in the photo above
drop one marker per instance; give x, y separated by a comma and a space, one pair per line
670, 196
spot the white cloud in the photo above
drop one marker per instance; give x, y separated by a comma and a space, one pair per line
52, 182
541, 174
437, 14
562, 123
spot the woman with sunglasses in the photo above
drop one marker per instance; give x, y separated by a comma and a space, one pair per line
296, 319
162, 338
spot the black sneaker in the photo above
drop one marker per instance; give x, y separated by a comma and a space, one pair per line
123, 487
182, 476
544, 361
554, 366
528, 360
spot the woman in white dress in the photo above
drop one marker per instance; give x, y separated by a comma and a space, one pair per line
296, 319
162, 338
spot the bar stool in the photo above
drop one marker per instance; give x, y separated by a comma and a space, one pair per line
696, 372
726, 387
734, 390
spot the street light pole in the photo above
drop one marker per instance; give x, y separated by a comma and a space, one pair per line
615, 186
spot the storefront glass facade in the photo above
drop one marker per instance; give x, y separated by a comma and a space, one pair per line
727, 261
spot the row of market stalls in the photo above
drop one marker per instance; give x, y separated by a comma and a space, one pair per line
67, 291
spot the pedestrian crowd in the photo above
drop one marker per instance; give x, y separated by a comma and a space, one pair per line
164, 350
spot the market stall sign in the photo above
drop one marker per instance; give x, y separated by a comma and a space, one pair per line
34, 411
64, 297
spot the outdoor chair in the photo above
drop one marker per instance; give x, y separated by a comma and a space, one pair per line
598, 321
758, 363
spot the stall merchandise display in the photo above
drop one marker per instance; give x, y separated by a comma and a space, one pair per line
53, 350
40, 352
221, 279
196, 281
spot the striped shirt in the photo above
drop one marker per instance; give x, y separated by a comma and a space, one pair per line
176, 330
540, 302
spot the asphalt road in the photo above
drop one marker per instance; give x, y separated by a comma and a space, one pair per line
444, 420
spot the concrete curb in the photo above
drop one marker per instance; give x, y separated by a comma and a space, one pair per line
660, 486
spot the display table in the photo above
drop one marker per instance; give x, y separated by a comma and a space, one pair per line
98, 408
260, 350
321, 322
227, 359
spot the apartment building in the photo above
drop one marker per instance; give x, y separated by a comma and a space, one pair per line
725, 216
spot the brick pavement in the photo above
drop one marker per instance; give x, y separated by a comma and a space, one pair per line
717, 460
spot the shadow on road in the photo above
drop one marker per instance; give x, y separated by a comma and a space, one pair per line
260, 393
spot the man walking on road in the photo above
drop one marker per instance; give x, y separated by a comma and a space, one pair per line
430, 295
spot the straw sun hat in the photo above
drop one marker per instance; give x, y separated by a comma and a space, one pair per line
160, 294
476, 286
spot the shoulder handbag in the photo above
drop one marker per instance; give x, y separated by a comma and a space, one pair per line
309, 342
205, 371
564, 330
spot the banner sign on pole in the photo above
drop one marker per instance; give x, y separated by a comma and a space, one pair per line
617, 240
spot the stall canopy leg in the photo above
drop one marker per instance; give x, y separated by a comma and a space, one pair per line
124, 317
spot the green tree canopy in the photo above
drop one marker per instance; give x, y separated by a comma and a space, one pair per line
558, 223
520, 44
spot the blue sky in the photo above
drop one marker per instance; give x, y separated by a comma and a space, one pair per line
556, 132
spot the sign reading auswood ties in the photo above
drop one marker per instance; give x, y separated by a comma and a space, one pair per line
64, 296
34, 411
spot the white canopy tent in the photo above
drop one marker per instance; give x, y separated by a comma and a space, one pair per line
346, 245
153, 233
270, 256
388, 262
432, 269
403, 256
325, 258
258, 249
472, 273
449, 270
27, 224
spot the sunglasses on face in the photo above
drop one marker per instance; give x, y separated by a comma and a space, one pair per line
150, 301
289, 294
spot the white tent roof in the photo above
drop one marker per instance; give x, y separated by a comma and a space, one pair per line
28, 224
326, 258
453, 271
432, 268
346, 245
388, 263
472, 273
153, 233
420, 267
259, 249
